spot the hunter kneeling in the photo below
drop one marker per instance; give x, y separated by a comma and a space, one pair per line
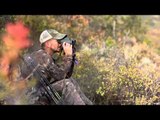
55, 85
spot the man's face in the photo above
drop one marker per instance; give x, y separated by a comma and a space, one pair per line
54, 45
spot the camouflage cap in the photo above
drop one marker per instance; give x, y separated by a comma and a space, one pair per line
66, 39
50, 34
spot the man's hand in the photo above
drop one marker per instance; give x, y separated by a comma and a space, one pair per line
67, 48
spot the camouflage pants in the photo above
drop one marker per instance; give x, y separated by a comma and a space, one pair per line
70, 92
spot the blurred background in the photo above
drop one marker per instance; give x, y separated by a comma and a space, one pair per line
119, 55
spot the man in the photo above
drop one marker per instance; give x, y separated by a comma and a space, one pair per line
57, 73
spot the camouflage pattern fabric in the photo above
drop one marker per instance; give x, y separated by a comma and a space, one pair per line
59, 76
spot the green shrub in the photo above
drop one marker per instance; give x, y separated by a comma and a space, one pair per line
110, 78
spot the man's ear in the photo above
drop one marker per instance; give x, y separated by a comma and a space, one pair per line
48, 44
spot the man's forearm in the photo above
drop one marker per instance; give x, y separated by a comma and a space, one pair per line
69, 65
68, 62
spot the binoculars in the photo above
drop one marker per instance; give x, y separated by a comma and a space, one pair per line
73, 43
68, 40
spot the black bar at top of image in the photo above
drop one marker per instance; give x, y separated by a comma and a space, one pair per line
89, 7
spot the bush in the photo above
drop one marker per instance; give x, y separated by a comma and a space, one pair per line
113, 78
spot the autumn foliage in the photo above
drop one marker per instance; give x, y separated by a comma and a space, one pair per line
118, 55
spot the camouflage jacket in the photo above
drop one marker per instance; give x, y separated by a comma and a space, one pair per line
54, 71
